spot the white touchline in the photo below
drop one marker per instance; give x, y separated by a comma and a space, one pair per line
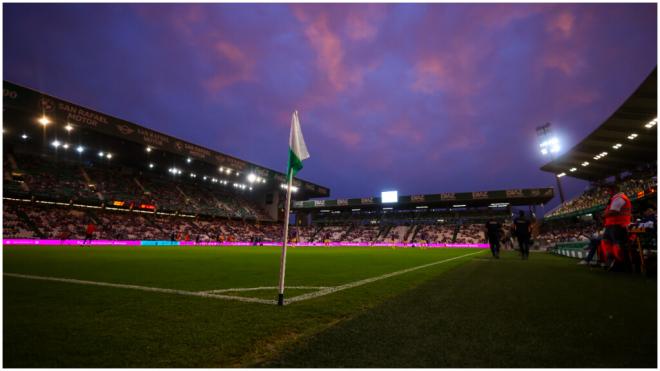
143, 288
331, 290
214, 294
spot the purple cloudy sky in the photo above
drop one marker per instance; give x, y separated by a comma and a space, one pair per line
423, 98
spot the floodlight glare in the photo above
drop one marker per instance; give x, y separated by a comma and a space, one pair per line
550, 146
148, 149
56, 143
24, 136
632, 136
65, 146
44, 120
251, 178
68, 127
617, 146
108, 156
80, 149
573, 169
585, 163
561, 175
151, 166
389, 197
188, 160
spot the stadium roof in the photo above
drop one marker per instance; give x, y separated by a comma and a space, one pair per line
23, 106
632, 128
512, 197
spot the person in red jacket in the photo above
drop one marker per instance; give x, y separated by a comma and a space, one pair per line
617, 218
89, 232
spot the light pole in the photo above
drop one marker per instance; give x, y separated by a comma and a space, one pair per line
549, 145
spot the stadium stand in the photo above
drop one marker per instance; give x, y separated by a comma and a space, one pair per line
596, 197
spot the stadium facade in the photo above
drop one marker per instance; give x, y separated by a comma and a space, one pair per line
42, 124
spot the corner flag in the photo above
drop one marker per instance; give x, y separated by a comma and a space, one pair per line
297, 153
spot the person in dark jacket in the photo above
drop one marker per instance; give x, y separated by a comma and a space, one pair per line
523, 232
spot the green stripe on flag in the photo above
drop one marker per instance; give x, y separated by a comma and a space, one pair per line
295, 164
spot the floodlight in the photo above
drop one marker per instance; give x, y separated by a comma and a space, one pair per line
24, 136
632, 136
108, 156
573, 169
151, 166
101, 154
188, 160
550, 146
80, 149
56, 143
251, 178
561, 175
148, 149
44, 120
585, 163
652, 123
65, 146
617, 146
68, 127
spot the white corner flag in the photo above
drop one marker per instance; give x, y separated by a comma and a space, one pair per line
297, 153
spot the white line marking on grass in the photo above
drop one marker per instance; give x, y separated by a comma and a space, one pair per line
143, 288
350, 285
239, 289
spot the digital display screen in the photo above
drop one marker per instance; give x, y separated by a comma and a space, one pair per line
389, 197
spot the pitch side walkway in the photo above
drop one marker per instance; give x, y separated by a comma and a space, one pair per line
545, 312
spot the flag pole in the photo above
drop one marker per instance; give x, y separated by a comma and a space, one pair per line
287, 209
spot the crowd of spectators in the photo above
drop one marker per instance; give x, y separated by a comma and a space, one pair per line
471, 233
65, 222
363, 233
57, 222
566, 232
13, 226
597, 195
46, 178
435, 233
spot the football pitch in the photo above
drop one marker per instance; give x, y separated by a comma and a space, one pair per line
192, 306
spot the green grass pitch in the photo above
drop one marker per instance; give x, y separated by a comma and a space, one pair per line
466, 311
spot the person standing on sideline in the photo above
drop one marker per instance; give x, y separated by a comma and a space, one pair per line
89, 232
494, 233
522, 230
617, 218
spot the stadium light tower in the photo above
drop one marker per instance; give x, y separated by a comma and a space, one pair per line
549, 145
